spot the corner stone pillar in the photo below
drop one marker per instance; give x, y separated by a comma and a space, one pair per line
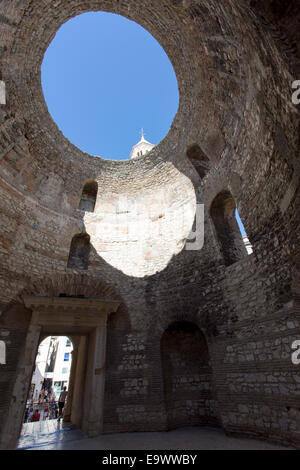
95, 381
14, 421
78, 391
68, 407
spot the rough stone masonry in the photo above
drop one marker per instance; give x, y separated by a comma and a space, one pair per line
201, 337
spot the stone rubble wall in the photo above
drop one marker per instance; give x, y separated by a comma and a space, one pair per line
235, 102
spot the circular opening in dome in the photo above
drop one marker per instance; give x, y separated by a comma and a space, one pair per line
109, 84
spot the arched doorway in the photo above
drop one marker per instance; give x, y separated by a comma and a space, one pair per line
83, 320
189, 393
43, 415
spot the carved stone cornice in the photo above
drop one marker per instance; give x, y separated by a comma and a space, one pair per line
69, 314
70, 304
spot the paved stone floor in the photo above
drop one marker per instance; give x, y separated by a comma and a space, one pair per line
49, 435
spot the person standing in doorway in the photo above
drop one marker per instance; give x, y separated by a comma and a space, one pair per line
30, 415
61, 402
36, 416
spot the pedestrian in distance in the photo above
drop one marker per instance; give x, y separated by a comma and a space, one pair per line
30, 415
36, 416
61, 402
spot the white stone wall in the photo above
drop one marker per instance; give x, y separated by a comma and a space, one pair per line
138, 232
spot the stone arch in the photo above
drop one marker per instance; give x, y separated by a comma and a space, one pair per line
162, 323
189, 393
70, 284
79, 252
222, 212
89, 196
79, 285
198, 159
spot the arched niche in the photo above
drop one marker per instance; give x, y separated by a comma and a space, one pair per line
187, 377
79, 252
199, 159
89, 196
223, 215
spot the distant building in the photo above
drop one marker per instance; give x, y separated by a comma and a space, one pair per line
248, 245
141, 148
52, 367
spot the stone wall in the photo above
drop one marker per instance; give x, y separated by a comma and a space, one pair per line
13, 332
235, 104
189, 390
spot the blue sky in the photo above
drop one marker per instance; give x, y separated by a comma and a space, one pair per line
104, 78
240, 224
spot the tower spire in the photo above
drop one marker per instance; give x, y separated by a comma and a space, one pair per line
142, 147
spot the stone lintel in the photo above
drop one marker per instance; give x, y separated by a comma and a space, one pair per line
70, 305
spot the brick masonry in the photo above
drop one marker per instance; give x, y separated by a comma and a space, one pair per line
235, 103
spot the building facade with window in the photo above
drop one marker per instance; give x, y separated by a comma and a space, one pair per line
141, 148
52, 367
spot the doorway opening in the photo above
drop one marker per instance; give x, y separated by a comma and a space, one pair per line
50, 375
50, 379
189, 390
83, 321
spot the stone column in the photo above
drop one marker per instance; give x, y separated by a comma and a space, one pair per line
68, 407
78, 398
95, 381
14, 421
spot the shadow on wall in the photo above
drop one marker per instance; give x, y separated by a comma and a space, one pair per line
83, 270
190, 398
105, 260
